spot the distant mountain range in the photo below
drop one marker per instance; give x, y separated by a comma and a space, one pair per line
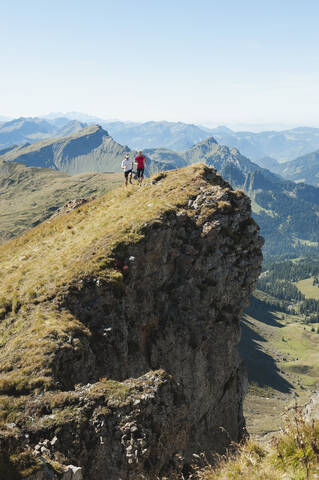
82, 117
287, 212
265, 148
173, 135
29, 130
282, 146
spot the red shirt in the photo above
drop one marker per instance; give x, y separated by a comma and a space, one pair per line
140, 159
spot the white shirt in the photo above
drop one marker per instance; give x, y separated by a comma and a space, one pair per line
127, 164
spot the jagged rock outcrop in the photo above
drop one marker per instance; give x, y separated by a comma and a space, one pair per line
71, 205
311, 409
142, 370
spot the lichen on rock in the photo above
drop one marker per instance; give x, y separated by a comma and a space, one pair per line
135, 335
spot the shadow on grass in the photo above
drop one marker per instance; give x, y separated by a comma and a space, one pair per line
7, 469
263, 312
261, 367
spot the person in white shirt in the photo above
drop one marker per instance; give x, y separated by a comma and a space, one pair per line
127, 166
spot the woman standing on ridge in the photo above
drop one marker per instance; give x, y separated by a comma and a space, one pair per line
140, 160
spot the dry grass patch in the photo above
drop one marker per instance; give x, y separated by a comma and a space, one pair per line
43, 191
28, 345
307, 287
292, 454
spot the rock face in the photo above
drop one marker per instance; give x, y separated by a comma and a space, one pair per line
311, 410
165, 339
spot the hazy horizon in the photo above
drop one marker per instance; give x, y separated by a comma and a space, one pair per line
239, 64
235, 127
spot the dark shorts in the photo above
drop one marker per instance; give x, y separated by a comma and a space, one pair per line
126, 174
140, 172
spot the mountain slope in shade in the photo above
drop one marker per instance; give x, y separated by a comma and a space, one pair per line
268, 162
29, 195
90, 149
303, 169
7, 149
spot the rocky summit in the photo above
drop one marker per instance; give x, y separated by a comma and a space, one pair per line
119, 328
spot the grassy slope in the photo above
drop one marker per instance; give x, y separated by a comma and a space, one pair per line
29, 195
57, 255
308, 289
282, 358
292, 455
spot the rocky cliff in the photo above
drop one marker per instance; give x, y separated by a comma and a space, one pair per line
120, 326
311, 409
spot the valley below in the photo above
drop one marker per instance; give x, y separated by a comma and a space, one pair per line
281, 353
283, 360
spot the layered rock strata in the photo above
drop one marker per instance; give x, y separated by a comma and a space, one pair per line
157, 377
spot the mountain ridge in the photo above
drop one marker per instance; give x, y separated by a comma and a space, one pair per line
279, 145
32, 129
283, 146
286, 212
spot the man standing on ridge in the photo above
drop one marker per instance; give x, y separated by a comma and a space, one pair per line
127, 166
140, 160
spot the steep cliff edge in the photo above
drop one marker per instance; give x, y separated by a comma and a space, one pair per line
119, 331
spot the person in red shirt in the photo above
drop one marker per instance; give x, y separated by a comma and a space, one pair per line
140, 161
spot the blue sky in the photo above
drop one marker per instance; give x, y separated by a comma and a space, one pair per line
239, 63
